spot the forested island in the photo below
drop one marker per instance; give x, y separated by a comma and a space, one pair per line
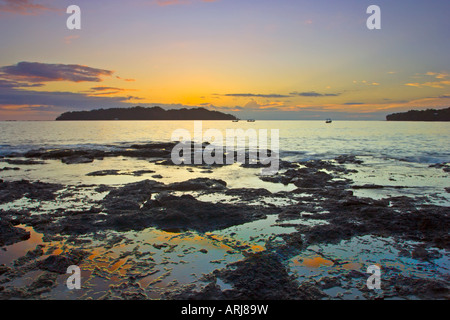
142, 113
423, 115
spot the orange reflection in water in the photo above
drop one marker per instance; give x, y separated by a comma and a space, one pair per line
315, 262
352, 266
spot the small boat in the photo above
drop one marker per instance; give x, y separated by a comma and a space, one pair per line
237, 120
328, 121
251, 120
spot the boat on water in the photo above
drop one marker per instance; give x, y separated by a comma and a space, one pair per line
251, 120
328, 121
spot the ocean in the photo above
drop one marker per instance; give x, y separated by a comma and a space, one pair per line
141, 228
417, 142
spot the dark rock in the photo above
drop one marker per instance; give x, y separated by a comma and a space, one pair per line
14, 190
248, 193
30, 256
60, 263
103, 173
421, 253
329, 282
76, 160
4, 269
44, 283
131, 196
198, 184
368, 186
186, 212
348, 159
262, 276
24, 162
10, 234
139, 173
402, 286
9, 169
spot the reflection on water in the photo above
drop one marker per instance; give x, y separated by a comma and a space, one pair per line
315, 262
155, 259
299, 140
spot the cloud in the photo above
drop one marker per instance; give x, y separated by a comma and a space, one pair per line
367, 83
4, 83
439, 82
437, 75
69, 39
353, 103
107, 88
315, 94
127, 80
252, 95
17, 93
23, 7
97, 91
271, 106
45, 72
431, 84
70, 100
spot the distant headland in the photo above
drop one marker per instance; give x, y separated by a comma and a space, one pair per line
141, 113
424, 115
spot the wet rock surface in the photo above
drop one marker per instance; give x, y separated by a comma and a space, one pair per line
14, 190
10, 234
76, 156
323, 200
262, 276
60, 263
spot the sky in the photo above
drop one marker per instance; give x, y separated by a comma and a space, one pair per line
261, 59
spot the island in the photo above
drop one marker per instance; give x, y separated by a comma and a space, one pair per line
423, 115
142, 113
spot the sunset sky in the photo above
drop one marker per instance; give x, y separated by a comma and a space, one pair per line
263, 59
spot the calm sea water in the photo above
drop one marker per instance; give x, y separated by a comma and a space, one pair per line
421, 142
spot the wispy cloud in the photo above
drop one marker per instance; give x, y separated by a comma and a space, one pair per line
277, 95
71, 100
69, 39
253, 95
368, 83
17, 83
105, 91
353, 103
45, 72
23, 7
314, 94
440, 80
127, 80
5, 83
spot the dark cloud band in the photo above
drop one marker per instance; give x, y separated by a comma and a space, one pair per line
45, 72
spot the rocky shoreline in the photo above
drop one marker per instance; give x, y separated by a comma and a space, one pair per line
322, 198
